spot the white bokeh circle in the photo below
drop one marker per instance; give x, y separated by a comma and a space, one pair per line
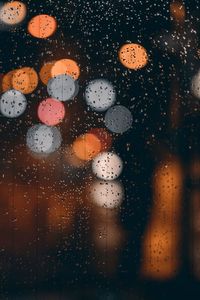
107, 194
43, 139
107, 166
118, 119
12, 104
62, 87
100, 94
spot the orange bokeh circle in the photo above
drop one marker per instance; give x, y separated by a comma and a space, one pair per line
42, 26
13, 13
45, 72
86, 146
25, 80
66, 66
133, 56
7, 81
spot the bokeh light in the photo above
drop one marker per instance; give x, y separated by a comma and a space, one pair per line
167, 187
67, 67
104, 136
12, 104
13, 13
177, 11
7, 81
100, 94
107, 166
160, 256
62, 87
42, 26
107, 194
133, 56
25, 80
118, 119
87, 146
162, 237
45, 72
43, 139
51, 111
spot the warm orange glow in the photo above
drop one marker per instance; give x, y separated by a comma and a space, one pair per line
104, 136
108, 235
195, 169
87, 146
133, 56
59, 216
56, 215
72, 159
160, 252
162, 238
67, 67
17, 204
167, 187
45, 72
42, 26
7, 81
195, 215
25, 80
177, 11
13, 12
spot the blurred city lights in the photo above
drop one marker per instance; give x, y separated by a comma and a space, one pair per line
162, 237
107, 194
13, 13
7, 81
66, 67
118, 119
87, 146
133, 56
12, 104
51, 111
42, 26
43, 139
45, 72
25, 80
100, 94
107, 166
160, 252
62, 87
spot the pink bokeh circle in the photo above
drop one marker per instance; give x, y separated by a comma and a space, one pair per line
51, 111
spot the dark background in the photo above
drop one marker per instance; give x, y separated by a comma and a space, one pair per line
91, 33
